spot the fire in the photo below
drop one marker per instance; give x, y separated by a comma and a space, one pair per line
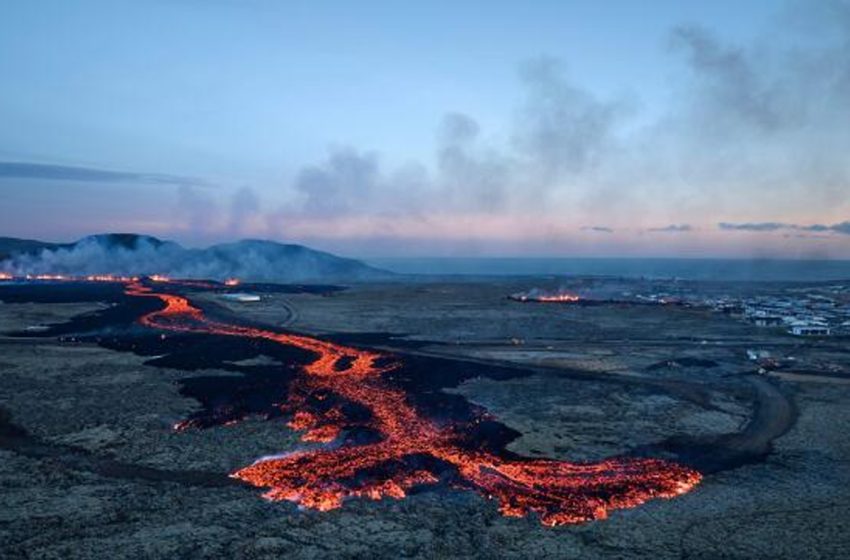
412, 450
231, 282
111, 278
559, 298
540, 296
69, 278
159, 278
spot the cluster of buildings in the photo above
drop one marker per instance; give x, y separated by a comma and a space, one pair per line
801, 311
823, 311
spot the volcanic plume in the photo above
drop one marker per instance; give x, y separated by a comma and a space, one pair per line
346, 390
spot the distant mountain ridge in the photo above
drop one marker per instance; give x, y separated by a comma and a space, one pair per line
130, 253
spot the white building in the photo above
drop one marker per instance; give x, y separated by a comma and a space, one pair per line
804, 328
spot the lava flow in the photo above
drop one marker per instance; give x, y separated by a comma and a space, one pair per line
344, 390
545, 297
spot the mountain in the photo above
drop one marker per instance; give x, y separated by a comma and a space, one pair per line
11, 246
133, 254
124, 240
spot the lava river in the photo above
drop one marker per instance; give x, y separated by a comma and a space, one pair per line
408, 450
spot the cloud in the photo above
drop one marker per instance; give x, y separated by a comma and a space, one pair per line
26, 170
339, 185
744, 131
728, 84
761, 226
468, 174
563, 129
672, 228
753, 130
562, 132
841, 228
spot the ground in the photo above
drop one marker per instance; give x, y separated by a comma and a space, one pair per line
90, 466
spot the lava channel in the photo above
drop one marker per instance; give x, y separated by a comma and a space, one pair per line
408, 450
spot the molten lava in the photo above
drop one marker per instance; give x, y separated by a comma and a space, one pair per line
545, 297
559, 298
409, 450
231, 282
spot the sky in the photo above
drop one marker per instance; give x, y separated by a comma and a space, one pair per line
386, 129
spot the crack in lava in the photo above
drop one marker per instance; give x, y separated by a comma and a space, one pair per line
412, 450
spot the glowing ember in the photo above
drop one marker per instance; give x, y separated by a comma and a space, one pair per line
545, 297
69, 278
110, 278
559, 298
411, 450
231, 282
47, 277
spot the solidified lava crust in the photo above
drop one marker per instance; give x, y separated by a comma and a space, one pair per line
377, 445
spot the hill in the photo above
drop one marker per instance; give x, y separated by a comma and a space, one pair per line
131, 254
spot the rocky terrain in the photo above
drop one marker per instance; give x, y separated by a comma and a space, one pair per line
92, 468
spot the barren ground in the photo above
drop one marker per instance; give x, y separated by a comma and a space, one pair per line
90, 467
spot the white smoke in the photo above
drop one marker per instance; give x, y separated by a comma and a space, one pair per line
247, 260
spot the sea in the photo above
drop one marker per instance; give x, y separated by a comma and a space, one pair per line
760, 270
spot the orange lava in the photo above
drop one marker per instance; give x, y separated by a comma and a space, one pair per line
559, 298
412, 451
537, 296
69, 278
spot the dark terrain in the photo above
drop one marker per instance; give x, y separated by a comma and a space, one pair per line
92, 467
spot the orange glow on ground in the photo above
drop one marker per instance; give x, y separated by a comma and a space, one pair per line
559, 298
413, 450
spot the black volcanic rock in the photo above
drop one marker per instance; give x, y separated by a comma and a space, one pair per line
134, 254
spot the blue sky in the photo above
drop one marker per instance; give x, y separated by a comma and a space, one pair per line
380, 128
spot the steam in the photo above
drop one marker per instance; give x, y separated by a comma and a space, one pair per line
247, 260
755, 130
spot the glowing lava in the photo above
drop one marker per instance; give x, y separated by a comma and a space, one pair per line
559, 298
545, 297
410, 450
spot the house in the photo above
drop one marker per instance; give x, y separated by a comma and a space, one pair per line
804, 328
767, 320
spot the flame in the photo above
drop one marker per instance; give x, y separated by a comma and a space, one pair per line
413, 450
110, 278
559, 298
231, 282
536, 295
159, 278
